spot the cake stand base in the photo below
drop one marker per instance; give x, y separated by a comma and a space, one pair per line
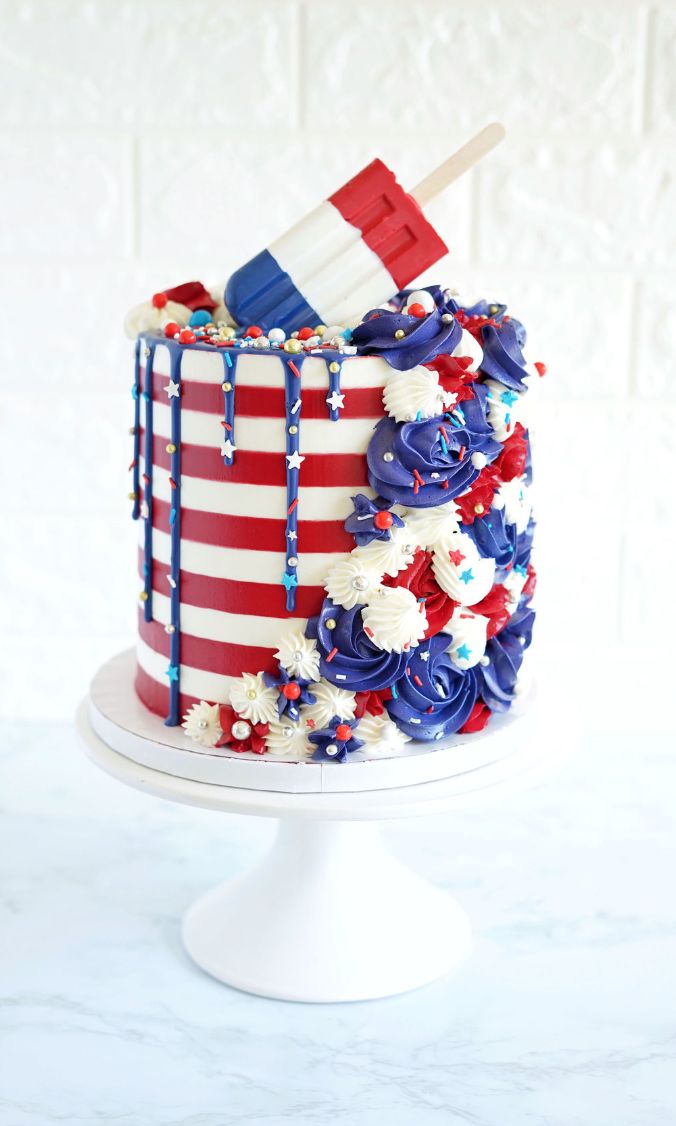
327, 915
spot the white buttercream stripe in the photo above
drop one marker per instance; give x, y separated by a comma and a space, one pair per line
216, 625
318, 436
209, 686
264, 369
241, 565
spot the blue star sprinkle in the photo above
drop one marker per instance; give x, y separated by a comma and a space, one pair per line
463, 652
467, 575
289, 581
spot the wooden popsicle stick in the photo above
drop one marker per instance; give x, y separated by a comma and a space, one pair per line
460, 162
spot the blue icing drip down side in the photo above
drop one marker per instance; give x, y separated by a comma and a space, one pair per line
147, 395
174, 671
229, 377
334, 385
136, 395
293, 407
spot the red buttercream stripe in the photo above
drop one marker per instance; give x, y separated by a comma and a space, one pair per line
233, 597
268, 402
254, 467
391, 223
155, 696
250, 533
222, 657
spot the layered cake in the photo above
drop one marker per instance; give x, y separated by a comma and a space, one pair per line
335, 523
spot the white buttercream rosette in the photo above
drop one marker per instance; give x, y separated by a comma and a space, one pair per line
394, 619
461, 571
467, 637
415, 393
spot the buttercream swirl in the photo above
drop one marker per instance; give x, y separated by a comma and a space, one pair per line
495, 538
423, 339
503, 359
497, 678
394, 619
423, 464
348, 656
433, 698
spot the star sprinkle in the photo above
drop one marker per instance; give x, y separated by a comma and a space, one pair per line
172, 673
289, 581
463, 652
228, 449
173, 390
425, 656
336, 400
509, 397
294, 460
292, 535
467, 575
456, 557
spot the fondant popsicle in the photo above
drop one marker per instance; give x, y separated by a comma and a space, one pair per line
355, 251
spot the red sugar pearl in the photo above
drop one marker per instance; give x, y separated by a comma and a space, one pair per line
160, 300
383, 520
186, 336
305, 333
171, 329
343, 732
291, 691
254, 331
416, 310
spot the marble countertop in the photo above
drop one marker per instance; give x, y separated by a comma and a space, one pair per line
565, 1014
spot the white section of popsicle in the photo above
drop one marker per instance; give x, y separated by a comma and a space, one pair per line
332, 266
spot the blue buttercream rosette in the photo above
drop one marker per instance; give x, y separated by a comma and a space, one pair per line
497, 679
433, 698
423, 339
424, 464
348, 657
503, 359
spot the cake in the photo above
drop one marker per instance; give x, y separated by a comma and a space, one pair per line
335, 524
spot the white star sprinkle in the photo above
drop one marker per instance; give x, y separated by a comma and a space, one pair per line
295, 460
292, 535
336, 401
145, 511
228, 449
173, 390
425, 656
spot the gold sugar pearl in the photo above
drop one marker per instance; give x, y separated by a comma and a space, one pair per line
399, 333
251, 693
293, 430
227, 386
330, 623
170, 448
133, 496
479, 508
334, 367
320, 330
143, 596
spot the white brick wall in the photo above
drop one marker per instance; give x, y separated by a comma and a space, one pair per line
146, 143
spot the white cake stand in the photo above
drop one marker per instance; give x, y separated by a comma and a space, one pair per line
328, 914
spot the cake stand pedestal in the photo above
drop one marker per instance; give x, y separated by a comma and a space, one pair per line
328, 914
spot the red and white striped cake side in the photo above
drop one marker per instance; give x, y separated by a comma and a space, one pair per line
233, 518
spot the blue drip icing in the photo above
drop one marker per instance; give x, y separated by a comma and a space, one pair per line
292, 399
229, 373
136, 396
147, 395
334, 384
174, 670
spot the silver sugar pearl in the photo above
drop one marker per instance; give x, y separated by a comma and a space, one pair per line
297, 654
287, 731
484, 661
202, 724
388, 456
331, 749
241, 729
360, 582
447, 318
293, 561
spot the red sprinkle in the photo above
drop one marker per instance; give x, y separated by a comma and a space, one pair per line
368, 631
332, 654
172, 482
171, 329
417, 680
430, 710
146, 478
253, 330
444, 484
291, 506
132, 465
294, 369
186, 336
418, 477
461, 453
160, 300
305, 333
540, 368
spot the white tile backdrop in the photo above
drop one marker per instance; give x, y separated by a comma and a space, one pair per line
144, 142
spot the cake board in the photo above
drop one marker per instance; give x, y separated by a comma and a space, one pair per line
328, 914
